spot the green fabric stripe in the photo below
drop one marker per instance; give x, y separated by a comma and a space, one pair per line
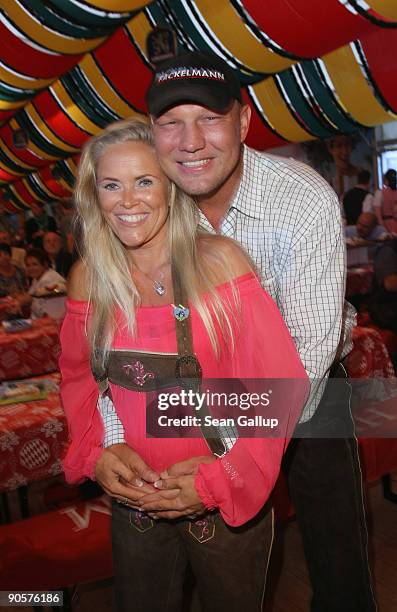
88, 18
187, 29
92, 96
325, 98
13, 167
88, 107
33, 184
300, 107
59, 24
39, 140
65, 172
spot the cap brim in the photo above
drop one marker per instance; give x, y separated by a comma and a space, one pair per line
166, 96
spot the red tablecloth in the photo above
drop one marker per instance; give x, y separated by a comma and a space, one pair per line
359, 281
30, 353
369, 357
32, 439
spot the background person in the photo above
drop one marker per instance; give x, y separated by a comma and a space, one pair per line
367, 228
44, 281
137, 227
60, 259
340, 147
359, 199
385, 202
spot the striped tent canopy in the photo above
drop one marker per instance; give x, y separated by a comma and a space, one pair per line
308, 70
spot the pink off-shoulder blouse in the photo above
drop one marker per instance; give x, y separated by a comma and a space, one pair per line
239, 483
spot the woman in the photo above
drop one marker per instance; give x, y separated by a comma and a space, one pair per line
46, 285
385, 202
151, 282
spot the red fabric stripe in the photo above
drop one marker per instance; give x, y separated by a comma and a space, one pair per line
49, 181
7, 114
27, 60
259, 136
6, 176
380, 51
58, 121
25, 195
131, 84
306, 27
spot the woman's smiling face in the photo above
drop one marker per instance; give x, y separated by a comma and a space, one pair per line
133, 193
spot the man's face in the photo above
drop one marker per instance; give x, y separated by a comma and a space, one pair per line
200, 149
52, 243
365, 225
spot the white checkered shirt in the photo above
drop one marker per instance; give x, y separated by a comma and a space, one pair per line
288, 218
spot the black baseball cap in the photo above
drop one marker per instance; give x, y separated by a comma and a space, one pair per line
193, 77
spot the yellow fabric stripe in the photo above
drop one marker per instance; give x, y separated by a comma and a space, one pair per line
10, 170
46, 132
6, 105
98, 83
122, 6
386, 8
18, 196
73, 110
276, 112
14, 158
48, 39
72, 166
64, 184
229, 28
21, 81
28, 188
352, 88
139, 27
44, 188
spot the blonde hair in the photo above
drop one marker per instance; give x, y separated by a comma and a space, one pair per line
108, 267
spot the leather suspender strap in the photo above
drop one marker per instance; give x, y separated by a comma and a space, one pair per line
189, 369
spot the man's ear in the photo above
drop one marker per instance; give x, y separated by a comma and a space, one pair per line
245, 119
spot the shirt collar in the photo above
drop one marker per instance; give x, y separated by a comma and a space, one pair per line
248, 192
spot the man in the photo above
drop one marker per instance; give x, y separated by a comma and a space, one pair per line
359, 199
60, 260
288, 219
365, 229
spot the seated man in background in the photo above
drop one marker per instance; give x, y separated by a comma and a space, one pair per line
365, 229
60, 260
358, 199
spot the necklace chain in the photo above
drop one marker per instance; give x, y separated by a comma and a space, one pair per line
157, 283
